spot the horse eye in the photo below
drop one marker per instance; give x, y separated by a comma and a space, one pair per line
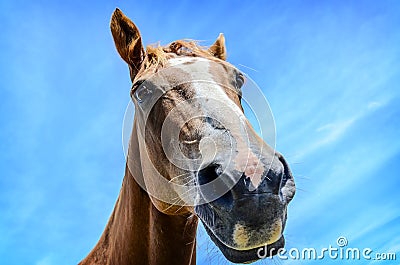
142, 93
239, 80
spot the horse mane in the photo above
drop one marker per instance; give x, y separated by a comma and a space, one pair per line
157, 55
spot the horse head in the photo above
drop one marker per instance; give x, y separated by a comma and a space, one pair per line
193, 149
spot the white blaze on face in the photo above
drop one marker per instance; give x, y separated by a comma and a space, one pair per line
206, 87
217, 105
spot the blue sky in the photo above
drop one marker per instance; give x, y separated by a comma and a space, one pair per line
331, 73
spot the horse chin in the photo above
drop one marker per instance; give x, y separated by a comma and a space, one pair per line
249, 255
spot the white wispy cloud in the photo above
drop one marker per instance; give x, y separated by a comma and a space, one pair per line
332, 131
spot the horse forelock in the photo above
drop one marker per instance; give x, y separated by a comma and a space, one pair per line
157, 56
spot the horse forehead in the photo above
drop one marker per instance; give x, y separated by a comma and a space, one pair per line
198, 68
205, 79
187, 60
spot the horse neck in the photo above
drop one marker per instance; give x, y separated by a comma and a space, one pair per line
138, 233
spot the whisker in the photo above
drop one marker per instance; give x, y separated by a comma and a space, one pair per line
187, 173
302, 177
302, 190
248, 67
174, 203
177, 210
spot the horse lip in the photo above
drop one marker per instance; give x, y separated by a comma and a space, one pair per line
245, 256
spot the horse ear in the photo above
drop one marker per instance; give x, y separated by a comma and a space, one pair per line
218, 49
127, 40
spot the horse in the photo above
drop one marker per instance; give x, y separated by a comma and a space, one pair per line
192, 156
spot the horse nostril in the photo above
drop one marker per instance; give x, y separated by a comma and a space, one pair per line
286, 170
208, 174
273, 181
216, 189
274, 178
